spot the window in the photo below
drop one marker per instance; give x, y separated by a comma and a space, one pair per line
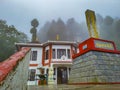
33, 55
68, 53
60, 53
32, 74
53, 53
46, 54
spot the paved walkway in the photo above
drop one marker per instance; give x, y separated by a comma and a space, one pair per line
75, 87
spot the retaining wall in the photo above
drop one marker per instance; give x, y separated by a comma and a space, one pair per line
95, 67
14, 75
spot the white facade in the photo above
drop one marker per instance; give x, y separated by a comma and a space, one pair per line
54, 54
35, 64
63, 63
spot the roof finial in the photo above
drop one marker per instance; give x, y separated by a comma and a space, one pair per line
57, 37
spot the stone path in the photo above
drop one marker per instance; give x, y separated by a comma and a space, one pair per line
75, 87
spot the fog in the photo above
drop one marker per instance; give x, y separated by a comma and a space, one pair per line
71, 30
67, 31
109, 28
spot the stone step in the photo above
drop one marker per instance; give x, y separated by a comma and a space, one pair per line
57, 87
75, 87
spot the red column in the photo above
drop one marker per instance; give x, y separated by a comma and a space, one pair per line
71, 51
50, 54
43, 55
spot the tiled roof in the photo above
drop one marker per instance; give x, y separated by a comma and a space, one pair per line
9, 64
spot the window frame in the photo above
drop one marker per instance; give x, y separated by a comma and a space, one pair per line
33, 56
60, 53
32, 73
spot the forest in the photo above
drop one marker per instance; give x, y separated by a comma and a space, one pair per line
71, 30
8, 36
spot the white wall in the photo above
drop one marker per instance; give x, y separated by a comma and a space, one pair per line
38, 61
61, 46
39, 55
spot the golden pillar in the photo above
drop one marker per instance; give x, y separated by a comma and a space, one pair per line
91, 23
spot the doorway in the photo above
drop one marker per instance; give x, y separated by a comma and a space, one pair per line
62, 76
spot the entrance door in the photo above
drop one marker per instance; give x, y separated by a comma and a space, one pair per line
62, 75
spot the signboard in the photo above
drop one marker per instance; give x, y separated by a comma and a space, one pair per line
103, 45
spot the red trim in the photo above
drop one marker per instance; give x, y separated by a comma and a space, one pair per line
50, 54
43, 55
9, 64
46, 64
61, 61
93, 83
33, 64
91, 47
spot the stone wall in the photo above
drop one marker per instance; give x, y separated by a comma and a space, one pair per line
96, 67
17, 78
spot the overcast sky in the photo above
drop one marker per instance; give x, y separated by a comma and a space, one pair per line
20, 12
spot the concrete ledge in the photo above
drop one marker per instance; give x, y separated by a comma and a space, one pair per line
94, 83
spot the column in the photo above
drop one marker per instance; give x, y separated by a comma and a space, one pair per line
66, 53
68, 72
56, 54
56, 75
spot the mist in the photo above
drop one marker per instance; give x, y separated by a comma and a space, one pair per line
71, 30
109, 28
